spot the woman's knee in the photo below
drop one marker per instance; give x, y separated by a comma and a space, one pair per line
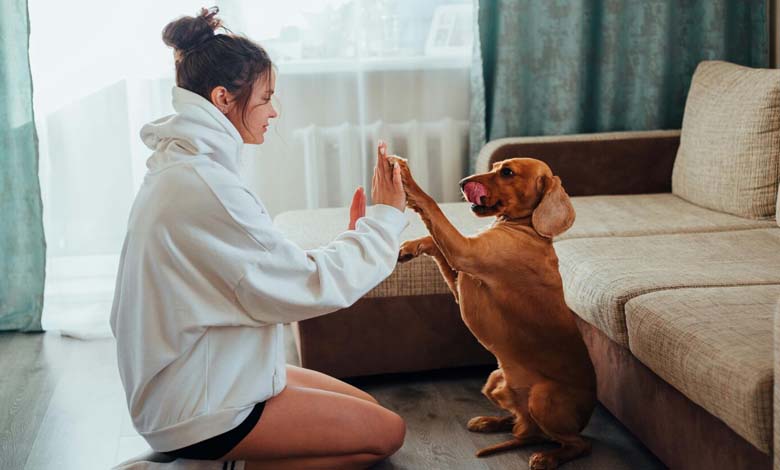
399, 433
392, 436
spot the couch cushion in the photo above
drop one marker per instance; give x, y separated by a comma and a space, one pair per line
601, 274
729, 154
715, 346
649, 214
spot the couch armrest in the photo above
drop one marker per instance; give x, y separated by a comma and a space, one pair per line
631, 162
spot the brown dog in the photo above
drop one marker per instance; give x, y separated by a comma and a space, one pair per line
507, 283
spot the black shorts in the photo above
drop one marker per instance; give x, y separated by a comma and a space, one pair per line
214, 448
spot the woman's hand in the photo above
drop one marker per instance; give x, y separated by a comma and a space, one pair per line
386, 186
358, 207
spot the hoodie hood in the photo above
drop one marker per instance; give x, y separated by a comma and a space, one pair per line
197, 128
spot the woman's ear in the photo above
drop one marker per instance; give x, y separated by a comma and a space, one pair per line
554, 214
221, 98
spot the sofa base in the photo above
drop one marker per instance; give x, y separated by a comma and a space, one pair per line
382, 335
679, 432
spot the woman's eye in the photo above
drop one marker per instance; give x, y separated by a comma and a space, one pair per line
506, 172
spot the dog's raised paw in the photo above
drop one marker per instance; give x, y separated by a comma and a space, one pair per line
410, 186
407, 251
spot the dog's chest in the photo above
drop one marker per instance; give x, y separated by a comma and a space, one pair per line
476, 307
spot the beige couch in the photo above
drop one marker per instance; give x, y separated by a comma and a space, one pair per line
672, 269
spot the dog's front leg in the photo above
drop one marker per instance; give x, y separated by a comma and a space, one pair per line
425, 246
459, 252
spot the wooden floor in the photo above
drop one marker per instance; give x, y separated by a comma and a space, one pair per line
62, 406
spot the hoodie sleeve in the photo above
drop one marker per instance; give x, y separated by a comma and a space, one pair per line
283, 283
287, 283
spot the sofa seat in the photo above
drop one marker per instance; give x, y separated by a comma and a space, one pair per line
714, 345
601, 274
649, 214
597, 216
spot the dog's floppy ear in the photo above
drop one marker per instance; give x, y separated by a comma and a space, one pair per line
554, 214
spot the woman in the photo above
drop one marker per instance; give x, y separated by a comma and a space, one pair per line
205, 282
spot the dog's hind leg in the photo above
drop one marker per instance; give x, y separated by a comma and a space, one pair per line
496, 391
525, 432
511, 444
555, 412
523, 428
495, 382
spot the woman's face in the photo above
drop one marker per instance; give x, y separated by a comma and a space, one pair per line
253, 122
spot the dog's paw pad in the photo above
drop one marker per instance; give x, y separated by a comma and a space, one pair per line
480, 424
540, 461
406, 252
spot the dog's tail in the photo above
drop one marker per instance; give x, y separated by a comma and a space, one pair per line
508, 445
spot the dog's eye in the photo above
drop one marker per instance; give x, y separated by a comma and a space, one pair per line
506, 172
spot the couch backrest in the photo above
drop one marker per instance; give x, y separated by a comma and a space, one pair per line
729, 155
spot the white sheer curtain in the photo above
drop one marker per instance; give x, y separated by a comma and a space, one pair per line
349, 72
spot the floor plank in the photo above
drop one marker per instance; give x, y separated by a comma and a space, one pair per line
31, 369
82, 424
433, 438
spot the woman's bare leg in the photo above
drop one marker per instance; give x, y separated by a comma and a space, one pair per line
300, 377
312, 428
356, 461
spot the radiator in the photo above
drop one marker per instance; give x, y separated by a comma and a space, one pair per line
339, 158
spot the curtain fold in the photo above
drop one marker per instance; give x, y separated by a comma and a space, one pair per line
565, 67
22, 244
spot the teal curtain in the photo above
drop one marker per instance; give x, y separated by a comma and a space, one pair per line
547, 67
22, 245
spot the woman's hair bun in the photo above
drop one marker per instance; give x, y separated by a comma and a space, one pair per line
188, 32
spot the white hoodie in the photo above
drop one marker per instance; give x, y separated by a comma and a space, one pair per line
205, 282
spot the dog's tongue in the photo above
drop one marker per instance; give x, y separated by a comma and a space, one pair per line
474, 192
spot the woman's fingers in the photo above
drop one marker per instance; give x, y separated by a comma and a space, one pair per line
362, 202
358, 207
378, 154
387, 184
374, 186
382, 163
381, 149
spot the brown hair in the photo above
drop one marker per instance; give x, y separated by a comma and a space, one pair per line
206, 60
